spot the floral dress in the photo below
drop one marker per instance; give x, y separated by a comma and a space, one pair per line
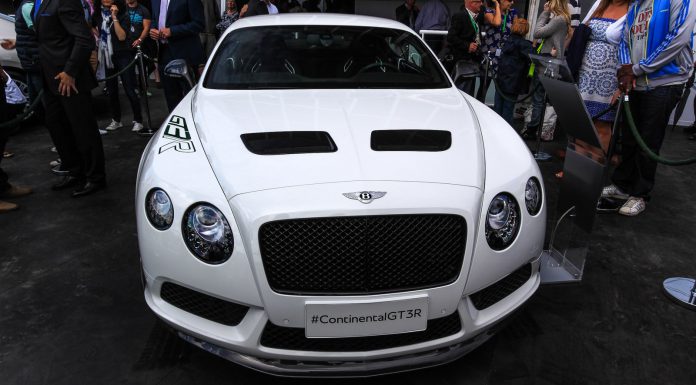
495, 37
597, 77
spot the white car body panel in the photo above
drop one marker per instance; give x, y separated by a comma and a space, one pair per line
211, 164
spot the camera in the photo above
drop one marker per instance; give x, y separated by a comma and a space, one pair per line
490, 4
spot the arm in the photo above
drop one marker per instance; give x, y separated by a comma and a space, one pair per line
495, 18
118, 28
73, 20
681, 27
546, 28
194, 26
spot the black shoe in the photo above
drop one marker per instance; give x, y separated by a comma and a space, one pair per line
67, 182
59, 171
88, 188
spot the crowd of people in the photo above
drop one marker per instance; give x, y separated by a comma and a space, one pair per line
66, 47
649, 43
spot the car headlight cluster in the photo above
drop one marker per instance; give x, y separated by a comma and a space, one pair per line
532, 196
159, 209
205, 229
207, 233
502, 221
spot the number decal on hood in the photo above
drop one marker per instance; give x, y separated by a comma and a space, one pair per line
177, 130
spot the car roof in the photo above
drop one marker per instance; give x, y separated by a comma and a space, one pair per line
335, 19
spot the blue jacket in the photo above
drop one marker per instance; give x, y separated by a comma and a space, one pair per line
668, 56
185, 20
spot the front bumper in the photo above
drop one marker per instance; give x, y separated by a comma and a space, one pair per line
242, 343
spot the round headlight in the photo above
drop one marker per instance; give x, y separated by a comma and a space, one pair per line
532, 196
207, 233
159, 209
502, 221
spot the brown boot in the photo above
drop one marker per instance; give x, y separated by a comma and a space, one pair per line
7, 206
15, 192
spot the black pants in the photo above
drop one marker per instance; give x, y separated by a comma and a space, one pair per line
121, 59
73, 128
174, 90
651, 110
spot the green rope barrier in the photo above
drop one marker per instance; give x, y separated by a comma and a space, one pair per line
643, 146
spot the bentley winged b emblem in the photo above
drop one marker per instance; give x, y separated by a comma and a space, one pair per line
365, 196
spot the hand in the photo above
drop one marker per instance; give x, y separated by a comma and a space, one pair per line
136, 42
626, 77
114, 11
8, 43
546, 6
154, 34
66, 84
473, 47
615, 96
165, 33
554, 52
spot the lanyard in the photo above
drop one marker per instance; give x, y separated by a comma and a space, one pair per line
473, 23
504, 24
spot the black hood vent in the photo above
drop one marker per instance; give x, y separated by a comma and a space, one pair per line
410, 140
289, 142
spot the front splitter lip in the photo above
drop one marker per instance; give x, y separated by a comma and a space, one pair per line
346, 369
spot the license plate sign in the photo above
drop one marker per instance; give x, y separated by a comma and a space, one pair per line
369, 318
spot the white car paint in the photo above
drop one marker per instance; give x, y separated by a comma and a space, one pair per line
212, 165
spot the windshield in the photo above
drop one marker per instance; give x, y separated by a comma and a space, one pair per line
301, 57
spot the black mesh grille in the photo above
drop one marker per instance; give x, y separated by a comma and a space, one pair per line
360, 255
202, 305
501, 289
294, 338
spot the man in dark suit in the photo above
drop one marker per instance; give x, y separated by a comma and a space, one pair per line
176, 25
464, 39
65, 45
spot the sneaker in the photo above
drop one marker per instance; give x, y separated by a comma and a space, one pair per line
612, 191
15, 192
137, 126
53, 149
632, 207
113, 126
103, 131
54, 163
59, 171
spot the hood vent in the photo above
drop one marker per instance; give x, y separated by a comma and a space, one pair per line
289, 142
410, 140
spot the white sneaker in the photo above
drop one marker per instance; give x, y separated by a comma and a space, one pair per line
137, 126
612, 191
54, 163
632, 207
103, 131
114, 125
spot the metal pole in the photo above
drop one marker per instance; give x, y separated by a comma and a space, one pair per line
143, 91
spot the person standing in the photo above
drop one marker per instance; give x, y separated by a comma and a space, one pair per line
407, 13
28, 48
176, 25
435, 15
512, 70
65, 45
464, 39
656, 61
553, 25
115, 54
230, 16
211, 15
497, 26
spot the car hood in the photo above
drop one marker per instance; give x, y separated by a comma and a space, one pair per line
349, 116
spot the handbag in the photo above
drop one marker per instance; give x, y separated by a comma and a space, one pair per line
576, 49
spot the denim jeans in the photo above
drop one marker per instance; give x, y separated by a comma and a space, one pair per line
538, 104
121, 59
651, 110
504, 107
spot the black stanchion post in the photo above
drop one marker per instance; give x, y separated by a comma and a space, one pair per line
147, 131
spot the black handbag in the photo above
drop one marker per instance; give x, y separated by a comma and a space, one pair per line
576, 49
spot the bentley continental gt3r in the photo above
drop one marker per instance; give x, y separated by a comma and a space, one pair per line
325, 202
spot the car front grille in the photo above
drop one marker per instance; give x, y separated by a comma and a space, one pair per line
492, 294
203, 305
362, 254
294, 338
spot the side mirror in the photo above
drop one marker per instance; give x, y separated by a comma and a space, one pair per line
178, 68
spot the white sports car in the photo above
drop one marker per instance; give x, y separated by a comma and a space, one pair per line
326, 203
